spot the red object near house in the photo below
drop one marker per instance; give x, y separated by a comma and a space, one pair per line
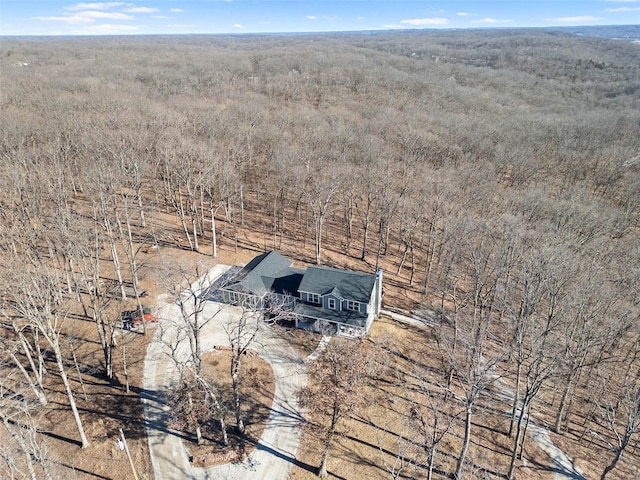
132, 319
147, 317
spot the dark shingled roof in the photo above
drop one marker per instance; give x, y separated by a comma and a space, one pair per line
285, 281
258, 276
354, 286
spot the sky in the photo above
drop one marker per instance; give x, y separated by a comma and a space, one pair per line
144, 17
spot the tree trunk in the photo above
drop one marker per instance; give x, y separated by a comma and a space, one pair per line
365, 238
526, 427
319, 222
241, 204
23, 446
214, 240
563, 403
133, 266
379, 251
235, 378
38, 372
106, 346
431, 462
67, 386
516, 394
322, 469
516, 443
201, 218
429, 261
194, 225
613, 463
181, 216
37, 389
143, 222
124, 365
348, 217
465, 444
42, 368
413, 264
223, 427
75, 362
116, 266
402, 260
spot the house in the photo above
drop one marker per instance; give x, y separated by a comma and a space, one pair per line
321, 299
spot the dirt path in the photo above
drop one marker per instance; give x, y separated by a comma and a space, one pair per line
276, 450
561, 463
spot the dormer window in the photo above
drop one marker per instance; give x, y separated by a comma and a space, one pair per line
353, 306
314, 298
331, 303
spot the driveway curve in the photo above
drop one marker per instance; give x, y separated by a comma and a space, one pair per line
276, 450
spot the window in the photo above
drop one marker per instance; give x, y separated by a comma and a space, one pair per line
235, 298
353, 306
331, 303
313, 298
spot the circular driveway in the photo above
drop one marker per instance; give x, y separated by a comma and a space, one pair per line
276, 449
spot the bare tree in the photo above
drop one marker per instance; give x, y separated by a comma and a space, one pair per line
472, 367
11, 349
335, 391
37, 299
594, 325
401, 460
365, 203
321, 184
242, 331
621, 413
194, 392
431, 422
22, 447
194, 403
189, 292
99, 292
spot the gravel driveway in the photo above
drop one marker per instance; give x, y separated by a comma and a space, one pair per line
277, 447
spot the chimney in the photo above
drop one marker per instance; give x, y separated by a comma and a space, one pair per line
378, 287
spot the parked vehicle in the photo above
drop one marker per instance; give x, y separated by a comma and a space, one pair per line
132, 319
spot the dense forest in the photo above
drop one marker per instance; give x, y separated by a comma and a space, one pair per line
493, 175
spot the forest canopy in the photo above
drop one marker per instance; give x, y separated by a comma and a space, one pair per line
494, 175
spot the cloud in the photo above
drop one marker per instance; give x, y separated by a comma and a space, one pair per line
140, 9
425, 21
94, 6
576, 19
110, 29
491, 21
392, 25
238, 25
180, 25
623, 9
159, 16
66, 19
110, 15
89, 16
466, 14
176, 10
324, 17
